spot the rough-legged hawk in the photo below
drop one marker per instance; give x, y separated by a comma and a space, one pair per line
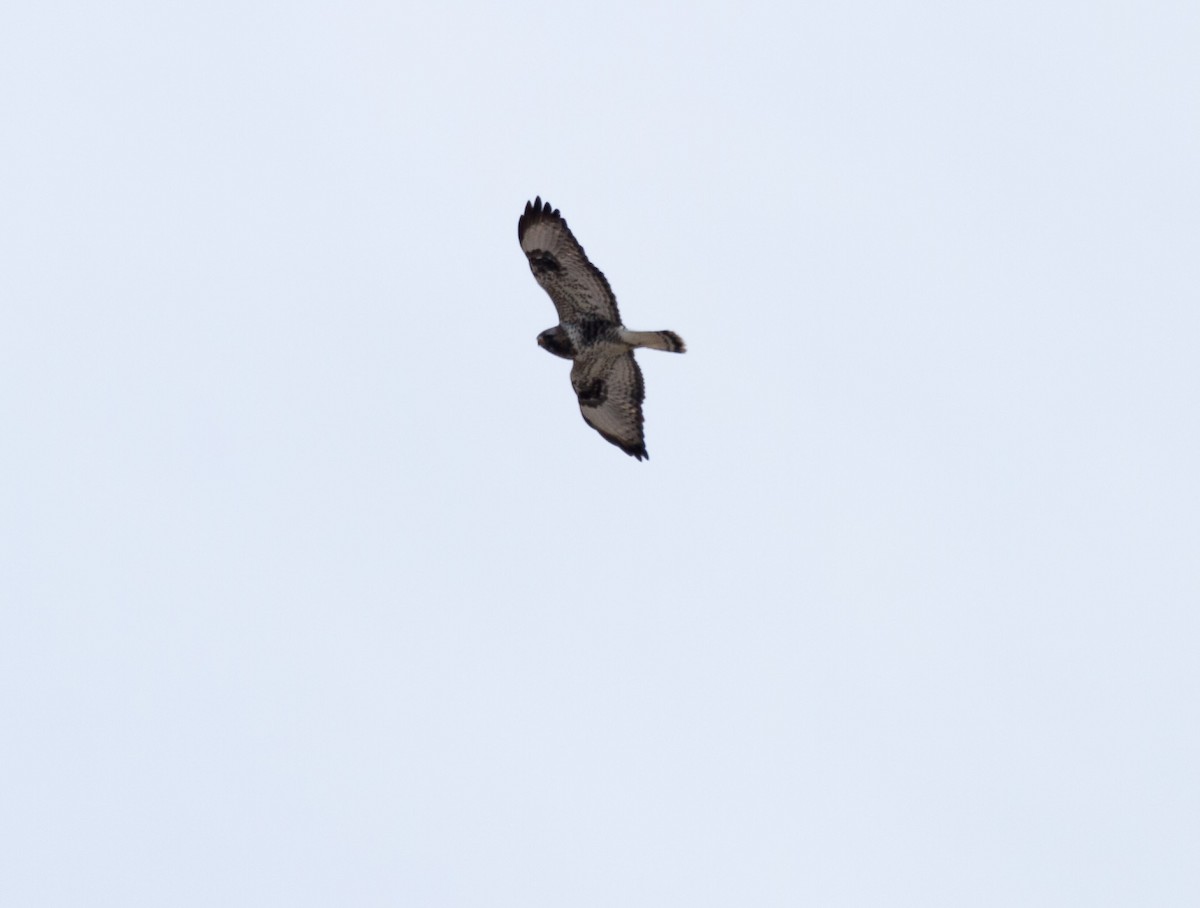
605, 376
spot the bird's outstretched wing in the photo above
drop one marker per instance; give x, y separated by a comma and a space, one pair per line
577, 287
610, 391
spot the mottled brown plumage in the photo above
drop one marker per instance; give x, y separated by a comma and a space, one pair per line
605, 376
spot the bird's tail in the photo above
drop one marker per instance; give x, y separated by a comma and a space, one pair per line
655, 340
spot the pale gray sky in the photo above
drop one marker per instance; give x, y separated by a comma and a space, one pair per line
316, 590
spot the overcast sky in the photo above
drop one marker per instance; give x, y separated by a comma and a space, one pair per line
315, 589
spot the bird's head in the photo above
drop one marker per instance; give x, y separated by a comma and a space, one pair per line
555, 340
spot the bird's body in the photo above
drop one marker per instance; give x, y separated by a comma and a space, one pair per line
605, 376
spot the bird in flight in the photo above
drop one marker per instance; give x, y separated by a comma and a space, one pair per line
604, 374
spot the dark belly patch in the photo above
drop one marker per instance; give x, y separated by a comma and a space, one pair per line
592, 330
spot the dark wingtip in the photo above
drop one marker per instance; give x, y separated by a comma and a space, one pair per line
525, 219
535, 211
636, 450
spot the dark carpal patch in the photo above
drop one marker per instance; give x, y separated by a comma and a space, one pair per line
592, 394
542, 262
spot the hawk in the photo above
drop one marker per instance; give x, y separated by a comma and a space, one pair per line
604, 374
